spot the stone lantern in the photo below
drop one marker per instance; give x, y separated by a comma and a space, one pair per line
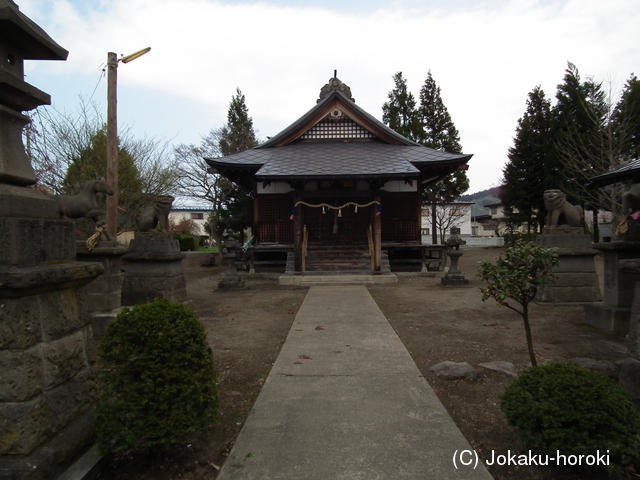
454, 276
231, 278
20, 39
47, 355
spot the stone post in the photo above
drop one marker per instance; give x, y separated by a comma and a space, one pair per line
630, 371
613, 313
47, 353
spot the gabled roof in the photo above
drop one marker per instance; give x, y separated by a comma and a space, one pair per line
337, 139
630, 172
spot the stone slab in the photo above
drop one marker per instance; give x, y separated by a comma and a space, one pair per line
507, 368
308, 280
449, 370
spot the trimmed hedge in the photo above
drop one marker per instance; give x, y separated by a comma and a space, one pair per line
157, 379
187, 242
562, 407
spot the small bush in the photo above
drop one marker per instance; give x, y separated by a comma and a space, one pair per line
187, 242
157, 379
562, 407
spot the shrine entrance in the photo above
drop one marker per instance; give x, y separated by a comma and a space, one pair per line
338, 226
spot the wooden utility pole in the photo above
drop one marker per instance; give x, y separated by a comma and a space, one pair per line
112, 144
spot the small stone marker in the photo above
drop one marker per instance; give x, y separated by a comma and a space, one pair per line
601, 366
455, 371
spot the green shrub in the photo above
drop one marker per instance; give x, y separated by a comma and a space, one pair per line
515, 278
187, 242
157, 379
565, 408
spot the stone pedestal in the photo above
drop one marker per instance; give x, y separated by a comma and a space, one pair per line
47, 352
104, 294
153, 269
576, 279
454, 276
630, 371
613, 313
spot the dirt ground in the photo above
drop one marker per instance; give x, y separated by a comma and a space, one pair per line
246, 329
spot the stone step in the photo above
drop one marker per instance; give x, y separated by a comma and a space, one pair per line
328, 278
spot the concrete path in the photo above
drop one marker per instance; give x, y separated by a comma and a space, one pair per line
344, 400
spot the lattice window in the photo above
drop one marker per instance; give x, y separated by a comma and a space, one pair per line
400, 215
274, 208
342, 127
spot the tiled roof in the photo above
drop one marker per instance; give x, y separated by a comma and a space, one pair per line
631, 171
327, 159
338, 158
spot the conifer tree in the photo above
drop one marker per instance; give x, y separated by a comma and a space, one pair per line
588, 141
579, 122
525, 175
627, 119
400, 112
237, 136
440, 133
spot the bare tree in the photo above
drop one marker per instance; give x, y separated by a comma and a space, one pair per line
196, 181
68, 148
447, 216
597, 151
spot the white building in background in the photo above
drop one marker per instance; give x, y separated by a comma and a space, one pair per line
456, 214
198, 214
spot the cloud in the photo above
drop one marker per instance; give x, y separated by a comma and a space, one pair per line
486, 57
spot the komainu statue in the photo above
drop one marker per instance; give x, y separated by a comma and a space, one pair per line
561, 212
631, 200
156, 214
85, 204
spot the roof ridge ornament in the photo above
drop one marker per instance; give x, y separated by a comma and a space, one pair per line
335, 85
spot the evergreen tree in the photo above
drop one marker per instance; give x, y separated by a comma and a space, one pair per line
627, 119
588, 141
525, 175
440, 133
400, 112
579, 119
438, 130
237, 136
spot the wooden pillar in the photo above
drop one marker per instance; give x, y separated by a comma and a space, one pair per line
377, 239
112, 145
298, 223
256, 218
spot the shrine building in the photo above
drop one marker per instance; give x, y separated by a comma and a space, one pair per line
338, 190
